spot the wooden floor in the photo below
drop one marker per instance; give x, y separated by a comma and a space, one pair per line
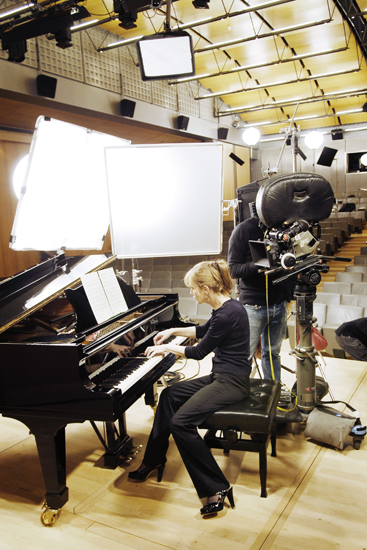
317, 496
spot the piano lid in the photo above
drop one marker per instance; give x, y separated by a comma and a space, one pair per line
31, 289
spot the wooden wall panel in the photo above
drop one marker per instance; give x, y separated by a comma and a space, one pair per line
234, 174
12, 262
14, 146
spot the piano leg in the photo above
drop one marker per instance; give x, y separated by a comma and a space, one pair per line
51, 451
117, 443
50, 440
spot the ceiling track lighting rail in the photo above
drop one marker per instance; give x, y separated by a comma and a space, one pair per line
259, 66
228, 15
269, 34
256, 108
14, 11
275, 84
351, 13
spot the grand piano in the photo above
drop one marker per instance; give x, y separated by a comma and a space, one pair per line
56, 364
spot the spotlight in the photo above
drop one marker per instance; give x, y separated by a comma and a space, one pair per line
127, 20
251, 136
364, 108
17, 51
314, 139
127, 16
63, 39
201, 4
363, 160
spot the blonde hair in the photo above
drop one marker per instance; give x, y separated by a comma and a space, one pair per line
214, 274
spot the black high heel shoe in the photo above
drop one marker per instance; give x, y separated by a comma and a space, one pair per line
214, 507
143, 472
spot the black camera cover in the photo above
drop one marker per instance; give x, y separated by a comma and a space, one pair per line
287, 198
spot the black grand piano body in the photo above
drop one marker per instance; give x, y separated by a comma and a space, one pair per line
48, 353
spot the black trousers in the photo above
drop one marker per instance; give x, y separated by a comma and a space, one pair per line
182, 408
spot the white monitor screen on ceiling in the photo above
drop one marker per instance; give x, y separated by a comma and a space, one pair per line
165, 200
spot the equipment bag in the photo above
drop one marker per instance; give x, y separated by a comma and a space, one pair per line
330, 426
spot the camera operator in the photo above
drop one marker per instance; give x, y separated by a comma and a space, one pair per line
265, 303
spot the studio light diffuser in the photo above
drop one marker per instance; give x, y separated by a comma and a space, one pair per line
63, 203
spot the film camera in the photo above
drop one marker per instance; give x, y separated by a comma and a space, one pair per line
289, 208
285, 246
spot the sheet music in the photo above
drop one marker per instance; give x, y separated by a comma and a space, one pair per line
104, 294
113, 291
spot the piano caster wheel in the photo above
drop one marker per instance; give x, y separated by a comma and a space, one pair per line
49, 516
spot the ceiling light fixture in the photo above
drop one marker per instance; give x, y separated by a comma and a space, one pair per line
201, 4
85, 25
314, 139
251, 136
351, 90
120, 43
350, 112
63, 39
17, 51
15, 10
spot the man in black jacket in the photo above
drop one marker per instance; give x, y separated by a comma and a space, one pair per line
352, 337
265, 303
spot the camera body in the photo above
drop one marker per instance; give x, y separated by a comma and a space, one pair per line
284, 247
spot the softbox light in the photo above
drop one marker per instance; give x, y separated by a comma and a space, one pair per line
64, 200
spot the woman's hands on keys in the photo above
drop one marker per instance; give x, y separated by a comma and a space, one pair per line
151, 351
162, 336
159, 348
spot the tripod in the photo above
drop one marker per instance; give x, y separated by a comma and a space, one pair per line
309, 390
304, 351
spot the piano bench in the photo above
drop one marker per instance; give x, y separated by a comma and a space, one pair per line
253, 416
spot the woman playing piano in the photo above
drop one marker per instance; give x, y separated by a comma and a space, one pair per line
184, 406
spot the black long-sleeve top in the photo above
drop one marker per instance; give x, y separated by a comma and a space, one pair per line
226, 333
252, 283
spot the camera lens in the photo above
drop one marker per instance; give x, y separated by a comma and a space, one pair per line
288, 260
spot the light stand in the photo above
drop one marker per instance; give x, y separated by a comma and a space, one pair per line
291, 138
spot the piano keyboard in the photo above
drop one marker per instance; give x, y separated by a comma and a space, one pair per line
132, 370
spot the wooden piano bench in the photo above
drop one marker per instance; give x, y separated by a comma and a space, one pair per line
252, 417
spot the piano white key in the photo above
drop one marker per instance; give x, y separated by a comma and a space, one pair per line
146, 367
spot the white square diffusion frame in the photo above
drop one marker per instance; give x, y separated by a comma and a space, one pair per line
165, 200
